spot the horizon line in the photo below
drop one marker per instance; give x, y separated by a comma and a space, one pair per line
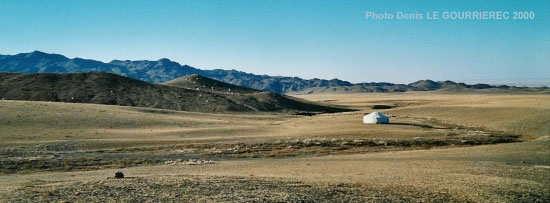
511, 82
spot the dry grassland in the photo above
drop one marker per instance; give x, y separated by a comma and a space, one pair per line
430, 153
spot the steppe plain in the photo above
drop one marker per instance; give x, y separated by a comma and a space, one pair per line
439, 147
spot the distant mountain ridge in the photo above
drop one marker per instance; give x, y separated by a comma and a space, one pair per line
164, 70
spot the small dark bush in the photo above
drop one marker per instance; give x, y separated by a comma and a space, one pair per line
119, 175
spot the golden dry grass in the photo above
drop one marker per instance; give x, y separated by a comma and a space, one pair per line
33, 123
523, 114
492, 173
25, 123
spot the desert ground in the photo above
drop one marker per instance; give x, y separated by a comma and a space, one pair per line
438, 147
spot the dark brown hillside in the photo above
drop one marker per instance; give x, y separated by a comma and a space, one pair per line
203, 83
251, 98
106, 88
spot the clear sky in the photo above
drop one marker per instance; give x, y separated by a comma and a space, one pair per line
316, 38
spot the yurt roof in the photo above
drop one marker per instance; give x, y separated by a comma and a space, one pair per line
376, 114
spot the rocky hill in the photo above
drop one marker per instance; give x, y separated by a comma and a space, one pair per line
198, 82
107, 88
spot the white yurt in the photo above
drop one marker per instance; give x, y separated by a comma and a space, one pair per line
375, 117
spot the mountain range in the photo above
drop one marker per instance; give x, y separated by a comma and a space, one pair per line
163, 70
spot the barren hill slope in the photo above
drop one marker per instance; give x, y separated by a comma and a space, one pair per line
198, 82
106, 88
251, 98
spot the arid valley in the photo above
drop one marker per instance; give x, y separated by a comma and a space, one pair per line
438, 147
274, 101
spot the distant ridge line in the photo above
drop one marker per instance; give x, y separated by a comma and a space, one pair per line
163, 70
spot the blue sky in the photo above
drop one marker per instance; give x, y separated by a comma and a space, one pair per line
309, 39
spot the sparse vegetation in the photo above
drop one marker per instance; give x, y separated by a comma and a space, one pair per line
437, 147
111, 89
